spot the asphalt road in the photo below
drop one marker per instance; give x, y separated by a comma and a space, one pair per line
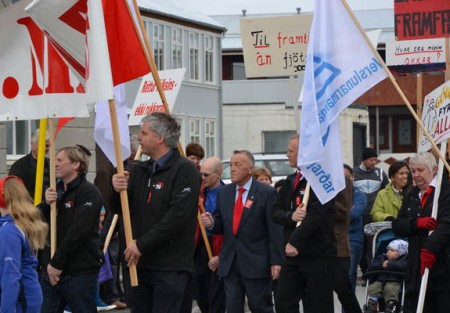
360, 294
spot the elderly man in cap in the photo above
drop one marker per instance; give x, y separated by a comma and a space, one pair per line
368, 179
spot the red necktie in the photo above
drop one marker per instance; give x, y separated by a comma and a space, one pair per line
237, 212
426, 195
297, 178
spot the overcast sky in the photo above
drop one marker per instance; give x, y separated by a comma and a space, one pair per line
225, 7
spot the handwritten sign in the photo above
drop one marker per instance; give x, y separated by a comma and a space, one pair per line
275, 46
436, 117
148, 99
415, 52
421, 19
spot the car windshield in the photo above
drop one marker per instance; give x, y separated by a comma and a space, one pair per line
277, 167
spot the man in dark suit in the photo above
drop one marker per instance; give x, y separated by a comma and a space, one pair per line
252, 251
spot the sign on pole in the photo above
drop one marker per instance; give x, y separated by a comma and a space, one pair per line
421, 55
275, 46
436, 117
421, 19
148, 99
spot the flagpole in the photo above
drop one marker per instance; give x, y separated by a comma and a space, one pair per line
202, 229
40, 161
424, 282
123, 193
51, 151
305, 199
397, 87
151, 59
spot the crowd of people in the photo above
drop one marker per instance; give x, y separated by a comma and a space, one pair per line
253, 242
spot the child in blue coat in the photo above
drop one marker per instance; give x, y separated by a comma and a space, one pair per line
386, 283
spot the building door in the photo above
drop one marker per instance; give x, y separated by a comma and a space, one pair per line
359, 142
404, 134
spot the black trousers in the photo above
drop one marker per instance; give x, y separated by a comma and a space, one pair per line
343, 287
209, 289
435, 302
258, 292
159, 292
300, 277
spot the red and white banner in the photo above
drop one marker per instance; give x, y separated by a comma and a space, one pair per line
70, 24
109, 35
34, 79
148, 100
421, 19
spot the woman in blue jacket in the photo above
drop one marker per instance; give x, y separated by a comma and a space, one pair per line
21, 232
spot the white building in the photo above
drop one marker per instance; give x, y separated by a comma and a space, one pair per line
180, 37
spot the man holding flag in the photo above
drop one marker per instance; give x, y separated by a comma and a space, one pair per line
340, 67
334, 78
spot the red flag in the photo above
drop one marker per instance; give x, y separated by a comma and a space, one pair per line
126, 54
62, 121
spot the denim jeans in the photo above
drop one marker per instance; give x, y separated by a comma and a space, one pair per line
356, 252
76, 291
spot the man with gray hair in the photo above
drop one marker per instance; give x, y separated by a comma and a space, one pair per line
252, 251
25, 167
163, 196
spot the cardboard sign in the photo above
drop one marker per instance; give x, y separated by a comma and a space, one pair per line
148, 99
421, 19
275, 46
415, 52
436, 117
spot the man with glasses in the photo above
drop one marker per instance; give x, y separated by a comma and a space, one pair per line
208, 287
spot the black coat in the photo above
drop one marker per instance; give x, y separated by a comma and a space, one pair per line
258, 243
77, 228
315, 236
438, 242
163, 211
395, 265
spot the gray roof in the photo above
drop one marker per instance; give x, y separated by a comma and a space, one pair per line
179, 10
369, 19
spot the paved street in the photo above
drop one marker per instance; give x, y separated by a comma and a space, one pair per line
360, 293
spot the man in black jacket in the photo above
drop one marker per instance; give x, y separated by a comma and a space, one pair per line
163, 195
70, 275
310, 248
25, 167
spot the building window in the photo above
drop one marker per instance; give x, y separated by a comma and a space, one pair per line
177, 48
276, 141
210, 137
382, 138
193, 56
194, 130
158, 45
18, 138
209, 59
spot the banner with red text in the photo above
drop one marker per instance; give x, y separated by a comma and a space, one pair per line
421, 19
35, 81
65, 23
148, 99
435, 117
275, 46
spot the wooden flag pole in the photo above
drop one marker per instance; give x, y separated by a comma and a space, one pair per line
202, 228
396, 86
110, 232
150, 58
437, 191
52, 155
305, 199
123, 193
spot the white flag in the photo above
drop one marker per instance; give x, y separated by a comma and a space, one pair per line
102, 131
340, 67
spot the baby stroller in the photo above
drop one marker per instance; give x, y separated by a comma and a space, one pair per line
382, 236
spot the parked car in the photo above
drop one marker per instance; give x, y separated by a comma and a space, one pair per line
277, 164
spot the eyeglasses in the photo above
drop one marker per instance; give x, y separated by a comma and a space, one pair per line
206, 174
